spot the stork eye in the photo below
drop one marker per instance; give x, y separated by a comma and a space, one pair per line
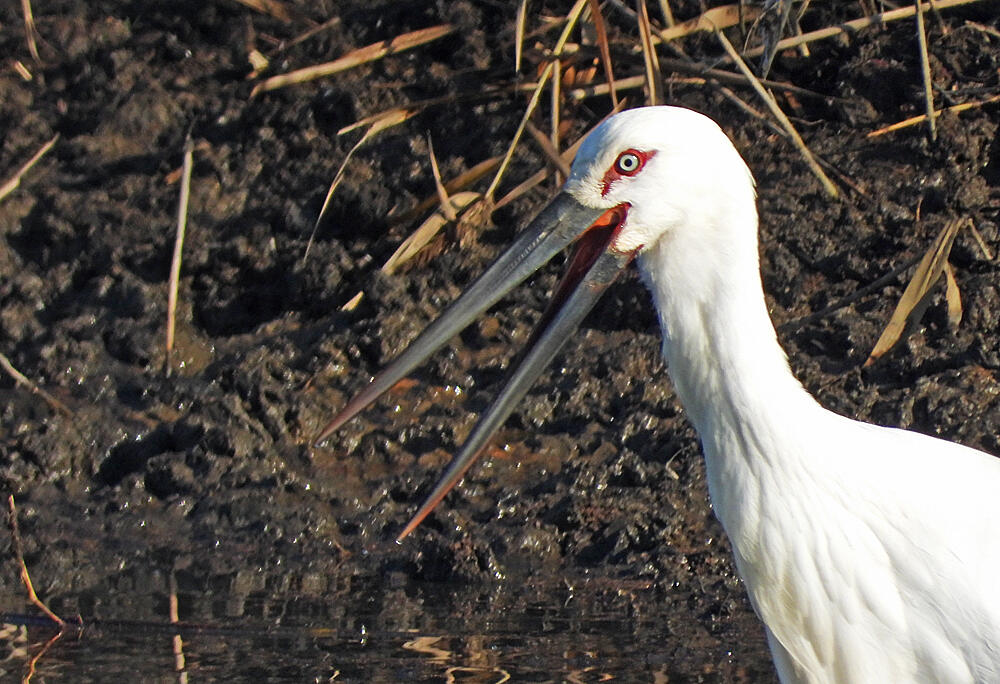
629, 163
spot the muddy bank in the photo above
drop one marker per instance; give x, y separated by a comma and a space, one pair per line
597, 482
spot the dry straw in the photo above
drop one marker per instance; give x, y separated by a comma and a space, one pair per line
369, 53
175, 263
916, 296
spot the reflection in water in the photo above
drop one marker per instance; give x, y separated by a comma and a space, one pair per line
365, 632
467, 673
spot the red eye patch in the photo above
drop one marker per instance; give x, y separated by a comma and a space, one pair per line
629, 163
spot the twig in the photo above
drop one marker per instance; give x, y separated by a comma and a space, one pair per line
549, 150
272, 7
418, 239
827, 184
519, 23
914, 120
25, 577
877, 284
456, 204
709, 20
980, 241
20, 379
29, 30
33, 663
329, 23
982, 28
804, 48
602, 42
668, 15
388, 119
567, 156
857, 24
761, 116
696, 69
12, 184
22, 70
417, 106
654, 83
468, 202
925, 70
571, 19
459, 182
369, 53
175, 264
555, 107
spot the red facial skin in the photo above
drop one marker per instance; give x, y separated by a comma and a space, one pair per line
615, 172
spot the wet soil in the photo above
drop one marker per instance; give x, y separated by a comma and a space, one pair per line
596, 487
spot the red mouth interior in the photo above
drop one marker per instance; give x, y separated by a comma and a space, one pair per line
589, 246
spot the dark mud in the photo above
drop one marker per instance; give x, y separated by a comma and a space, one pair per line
598, 490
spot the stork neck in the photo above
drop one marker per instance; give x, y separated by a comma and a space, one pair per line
722, 352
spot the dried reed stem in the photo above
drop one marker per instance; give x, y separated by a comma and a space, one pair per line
25, 577
175, 264
12, 184
796, 139
925, 70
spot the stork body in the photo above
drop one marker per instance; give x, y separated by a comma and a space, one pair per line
871, 554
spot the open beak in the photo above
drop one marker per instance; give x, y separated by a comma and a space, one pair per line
594, 266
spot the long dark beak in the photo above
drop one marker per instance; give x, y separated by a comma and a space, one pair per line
594, 266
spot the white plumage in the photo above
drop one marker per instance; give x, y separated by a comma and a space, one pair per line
871, 554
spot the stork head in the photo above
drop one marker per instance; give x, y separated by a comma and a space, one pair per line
642, 178
668, 167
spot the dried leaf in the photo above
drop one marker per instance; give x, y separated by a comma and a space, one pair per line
457, 183
953, 297
469, 223
427, 230
446, 208
710, 20
915, 297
